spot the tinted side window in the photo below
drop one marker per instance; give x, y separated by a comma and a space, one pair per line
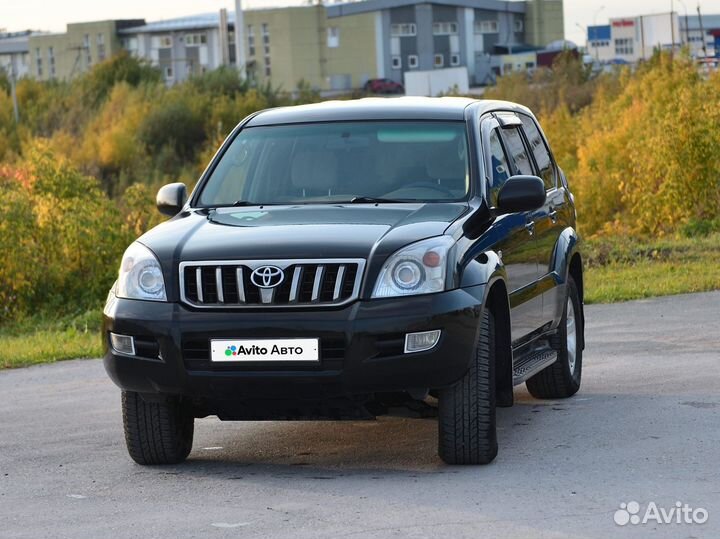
499, 166
516, 151
540, 152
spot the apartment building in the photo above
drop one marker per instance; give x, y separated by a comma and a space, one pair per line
332, 47
64, 55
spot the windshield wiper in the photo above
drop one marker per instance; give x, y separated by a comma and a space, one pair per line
239, 203
372, 200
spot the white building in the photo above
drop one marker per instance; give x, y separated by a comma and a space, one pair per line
181, 47
15, 53
630, 39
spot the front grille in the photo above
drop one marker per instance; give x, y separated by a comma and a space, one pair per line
270, 283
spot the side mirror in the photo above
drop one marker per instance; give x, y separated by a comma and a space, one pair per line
521, 193
171, 198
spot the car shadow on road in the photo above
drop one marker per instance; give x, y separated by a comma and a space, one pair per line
327, 450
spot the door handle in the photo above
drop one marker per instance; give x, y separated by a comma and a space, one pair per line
553, 215
530, 227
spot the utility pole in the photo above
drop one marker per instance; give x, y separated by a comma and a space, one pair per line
687, 27
13, 93
702, 34
672, 24
240, 59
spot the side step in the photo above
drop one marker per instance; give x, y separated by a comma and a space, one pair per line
530, 364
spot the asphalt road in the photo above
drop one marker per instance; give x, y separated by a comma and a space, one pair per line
645, 427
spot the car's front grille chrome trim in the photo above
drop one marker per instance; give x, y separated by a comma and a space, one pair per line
231, 284
338, 282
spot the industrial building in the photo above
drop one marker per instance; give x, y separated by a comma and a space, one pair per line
332, 47
630, 39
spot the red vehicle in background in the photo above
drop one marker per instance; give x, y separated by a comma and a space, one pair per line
383, 86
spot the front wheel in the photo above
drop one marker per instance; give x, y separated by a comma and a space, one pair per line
562, 379
466, 414
157, 432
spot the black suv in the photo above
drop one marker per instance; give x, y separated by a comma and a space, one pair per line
345, 260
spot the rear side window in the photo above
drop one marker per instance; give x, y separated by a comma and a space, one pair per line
540, 151
499, 166
516, 151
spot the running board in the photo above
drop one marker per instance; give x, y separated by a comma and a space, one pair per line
529, 365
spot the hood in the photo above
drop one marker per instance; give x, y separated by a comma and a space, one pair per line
307, 231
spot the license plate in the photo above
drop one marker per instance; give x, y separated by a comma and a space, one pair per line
228, 350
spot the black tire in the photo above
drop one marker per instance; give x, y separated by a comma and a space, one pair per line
157, 432
466, 414
559, 380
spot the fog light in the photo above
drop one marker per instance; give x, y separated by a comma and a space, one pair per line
122, 344
419, 342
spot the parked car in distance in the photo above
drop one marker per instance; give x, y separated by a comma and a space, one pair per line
383, 86
346, 260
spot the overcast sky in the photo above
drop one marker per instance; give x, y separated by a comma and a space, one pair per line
53, 15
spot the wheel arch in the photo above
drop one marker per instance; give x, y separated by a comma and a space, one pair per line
568, 262
497, 301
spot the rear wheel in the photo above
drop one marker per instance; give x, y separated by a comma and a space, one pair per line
562, 379
157, 432
466, 415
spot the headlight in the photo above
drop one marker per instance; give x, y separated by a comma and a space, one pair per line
140, 276
419, 268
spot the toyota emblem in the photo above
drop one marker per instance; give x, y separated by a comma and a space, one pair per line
267, 276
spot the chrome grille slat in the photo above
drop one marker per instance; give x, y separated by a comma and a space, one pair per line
219, 285
297, 273
338, 282
199, 284
316, 283
228, 284
240, 284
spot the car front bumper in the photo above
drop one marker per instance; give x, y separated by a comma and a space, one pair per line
361, 347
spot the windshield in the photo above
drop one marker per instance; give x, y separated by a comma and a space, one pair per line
335, 162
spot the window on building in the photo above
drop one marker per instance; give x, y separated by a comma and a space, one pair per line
51, 61
518, 25
86, 41
454, 59
445, 28
251, 40
265, 30
544, 162
486, 27
165, 42
439, 60
396, 62
403, 29
333, 37
38, 62
195, 40
168, 71
413, 61
624, 46
129, 44
100, 46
